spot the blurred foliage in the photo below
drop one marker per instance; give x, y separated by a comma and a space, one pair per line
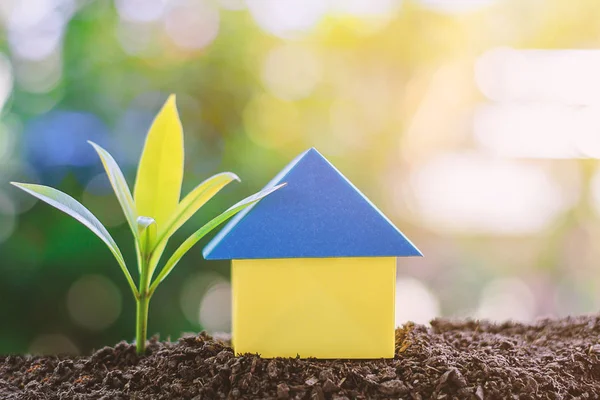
380, 91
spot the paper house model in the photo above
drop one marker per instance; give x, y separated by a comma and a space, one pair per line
313, 268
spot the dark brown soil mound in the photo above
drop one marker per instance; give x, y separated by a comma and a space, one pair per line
552, 359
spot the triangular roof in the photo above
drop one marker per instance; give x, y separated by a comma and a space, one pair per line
319, 213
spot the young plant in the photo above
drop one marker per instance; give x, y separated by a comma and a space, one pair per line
154, 213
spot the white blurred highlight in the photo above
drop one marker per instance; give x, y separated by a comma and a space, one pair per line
472, 193
192, 24
36, 27
547, 103
291, 72
39, 76
141, 10
456, 6
215, 308
415, 302
506, 299
287, 18
561, 76
373, 15
193, 291
366, 8
540, 130
6, 80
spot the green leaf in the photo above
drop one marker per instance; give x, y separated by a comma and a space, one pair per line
193, 202
147, 232
160, 173
155, 259
119, 185
72, 207
200, 233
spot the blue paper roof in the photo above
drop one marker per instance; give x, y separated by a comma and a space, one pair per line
319, 213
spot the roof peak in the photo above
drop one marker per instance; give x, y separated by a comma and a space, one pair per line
320, 213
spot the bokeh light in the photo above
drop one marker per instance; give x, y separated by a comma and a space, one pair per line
192, 24
141, 10
456, 6
415, 302
472, 193
215, 308
539, 130
560, 76
291, 72
52, 344
287, 18
135, 37
94, 302
6, 79
35, 27
39, 76
506, 299
59, 139
194, 291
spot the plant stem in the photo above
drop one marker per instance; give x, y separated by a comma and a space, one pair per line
141, 326
142, 302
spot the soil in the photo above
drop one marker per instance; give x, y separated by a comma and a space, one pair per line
551, 359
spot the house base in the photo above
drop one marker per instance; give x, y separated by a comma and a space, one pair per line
314, 307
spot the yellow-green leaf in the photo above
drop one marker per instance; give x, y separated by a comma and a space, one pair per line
193, 201
119, 185
156, 255
160, 173
200, 233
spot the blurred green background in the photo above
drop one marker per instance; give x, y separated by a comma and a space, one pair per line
473, 124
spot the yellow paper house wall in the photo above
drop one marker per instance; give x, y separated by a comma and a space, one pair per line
313, 268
